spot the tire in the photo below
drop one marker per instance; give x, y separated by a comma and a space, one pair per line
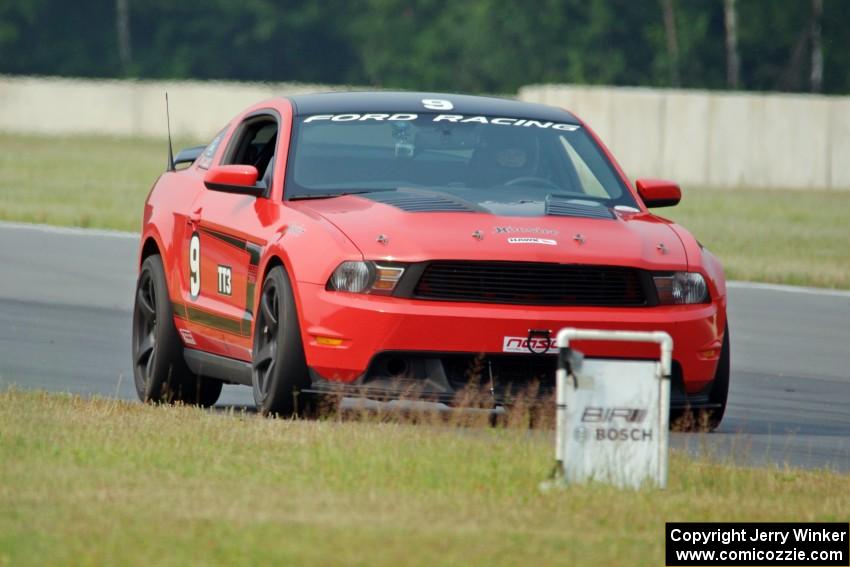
279, 369
709, 420
159, 371
720, 387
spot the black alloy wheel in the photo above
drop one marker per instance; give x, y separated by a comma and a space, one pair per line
159, 370
144, 328
265, 343
279, 369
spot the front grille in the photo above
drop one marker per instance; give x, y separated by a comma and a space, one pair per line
528, 283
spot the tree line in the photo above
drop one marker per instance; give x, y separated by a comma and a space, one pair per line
490, 46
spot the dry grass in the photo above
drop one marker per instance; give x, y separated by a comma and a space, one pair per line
792, 237
104, 481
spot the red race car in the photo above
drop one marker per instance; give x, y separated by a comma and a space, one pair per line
394, 243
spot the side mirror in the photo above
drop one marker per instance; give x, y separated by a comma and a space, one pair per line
239, 179
658, 193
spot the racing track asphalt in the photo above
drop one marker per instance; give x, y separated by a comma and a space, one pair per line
66, 294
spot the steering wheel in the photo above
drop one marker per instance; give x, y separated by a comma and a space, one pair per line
532, 180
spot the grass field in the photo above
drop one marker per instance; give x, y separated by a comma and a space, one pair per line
792, 237
788, 237
104, 481
77, 181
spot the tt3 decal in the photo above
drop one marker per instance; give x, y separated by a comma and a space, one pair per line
224, 286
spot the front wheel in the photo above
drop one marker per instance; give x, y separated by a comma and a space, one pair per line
159, 371
720, 388
279, 369
710, 419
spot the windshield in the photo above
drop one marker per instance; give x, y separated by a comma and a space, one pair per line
481, 159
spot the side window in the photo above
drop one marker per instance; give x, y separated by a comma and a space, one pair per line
254, 144
205, 159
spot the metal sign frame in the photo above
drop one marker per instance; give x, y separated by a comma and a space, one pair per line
562, 383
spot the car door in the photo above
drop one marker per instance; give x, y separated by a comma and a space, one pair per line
231, 230
189, 304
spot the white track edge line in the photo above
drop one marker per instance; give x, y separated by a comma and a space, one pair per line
68, 230
734, 284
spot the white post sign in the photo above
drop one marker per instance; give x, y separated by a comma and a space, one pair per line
613, 415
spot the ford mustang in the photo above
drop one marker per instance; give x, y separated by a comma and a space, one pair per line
387, 244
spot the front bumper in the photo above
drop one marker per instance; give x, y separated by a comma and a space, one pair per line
369, 325
478, 381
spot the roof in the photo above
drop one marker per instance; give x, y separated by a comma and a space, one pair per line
384, 101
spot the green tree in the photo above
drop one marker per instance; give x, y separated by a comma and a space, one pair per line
469, 45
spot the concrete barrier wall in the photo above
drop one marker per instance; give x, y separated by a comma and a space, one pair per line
715, 138
129, 108
693, 137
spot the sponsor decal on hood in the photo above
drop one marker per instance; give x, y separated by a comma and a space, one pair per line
532, 240
525, 230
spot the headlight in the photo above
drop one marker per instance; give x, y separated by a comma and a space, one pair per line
680, 288
355, 277
366, 277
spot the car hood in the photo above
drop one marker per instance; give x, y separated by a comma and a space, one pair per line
385, 232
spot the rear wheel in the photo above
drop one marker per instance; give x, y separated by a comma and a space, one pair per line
279, 369
160, 373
